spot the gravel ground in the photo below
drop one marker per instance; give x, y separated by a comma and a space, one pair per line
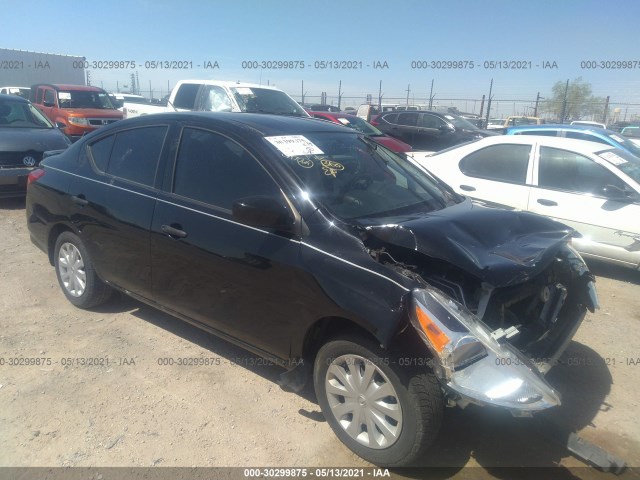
134, 411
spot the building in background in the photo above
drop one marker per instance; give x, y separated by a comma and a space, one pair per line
20, 68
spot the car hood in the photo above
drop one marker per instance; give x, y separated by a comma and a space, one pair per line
94, 112
27, 139
501, 247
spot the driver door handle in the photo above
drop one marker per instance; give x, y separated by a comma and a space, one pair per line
173, 232
547, 203
467, 188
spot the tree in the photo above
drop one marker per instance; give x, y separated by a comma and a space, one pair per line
580, 103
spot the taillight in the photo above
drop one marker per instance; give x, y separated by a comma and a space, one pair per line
374, 121
124, 113
35, 175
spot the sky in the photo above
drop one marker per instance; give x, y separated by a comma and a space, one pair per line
560, 34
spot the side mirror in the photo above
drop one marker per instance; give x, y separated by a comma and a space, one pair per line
614, 192
446, 129
263, 211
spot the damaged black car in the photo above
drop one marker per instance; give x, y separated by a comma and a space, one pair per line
320, 250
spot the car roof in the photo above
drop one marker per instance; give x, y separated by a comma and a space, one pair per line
13, 98
264, 124
580, 146
68, 86
230, 84
563, 126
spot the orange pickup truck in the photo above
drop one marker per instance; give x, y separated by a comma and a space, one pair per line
75, 109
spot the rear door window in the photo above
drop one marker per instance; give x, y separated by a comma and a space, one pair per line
134, 155
506, 163
408, 119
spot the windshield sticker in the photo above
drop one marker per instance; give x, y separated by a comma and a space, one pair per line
617, 138
305, 162
244, 91
344, 121
294, 145
64, 95
331, 168
611, 157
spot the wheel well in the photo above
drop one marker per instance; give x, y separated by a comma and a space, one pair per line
326, 328
53, 236
406, 342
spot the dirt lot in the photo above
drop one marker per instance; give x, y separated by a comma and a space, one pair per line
135, 411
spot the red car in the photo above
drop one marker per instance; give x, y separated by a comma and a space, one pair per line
363, 126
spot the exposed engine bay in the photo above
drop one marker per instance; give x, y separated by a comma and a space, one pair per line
533, 316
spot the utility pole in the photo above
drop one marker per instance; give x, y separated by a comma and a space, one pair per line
431, 95
606, 109
302, 92
564, 102
380, 97
339, 92
489, 102
481, 106
408, 90
535, 110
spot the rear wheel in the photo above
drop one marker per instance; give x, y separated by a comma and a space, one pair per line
386, 414
76, 274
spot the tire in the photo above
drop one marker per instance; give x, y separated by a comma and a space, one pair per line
76, 275
413, 406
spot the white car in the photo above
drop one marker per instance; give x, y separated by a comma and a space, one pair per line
589, 186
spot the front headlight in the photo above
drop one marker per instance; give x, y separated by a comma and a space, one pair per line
79, 121
472, 361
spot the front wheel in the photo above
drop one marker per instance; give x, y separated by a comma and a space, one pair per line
76, 274
386, 414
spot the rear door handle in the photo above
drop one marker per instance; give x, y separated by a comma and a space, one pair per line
173, 231
79, 200
547, 203
467, 188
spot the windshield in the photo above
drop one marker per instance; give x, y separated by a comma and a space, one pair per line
624, 161
354, 178
264, 100
626, 143
359, 125
460, 122
84, 99
21, 115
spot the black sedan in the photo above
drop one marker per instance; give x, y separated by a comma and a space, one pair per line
324, 252
428, 130
24, 135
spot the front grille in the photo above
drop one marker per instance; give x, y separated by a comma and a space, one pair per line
16, 159
99, 122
